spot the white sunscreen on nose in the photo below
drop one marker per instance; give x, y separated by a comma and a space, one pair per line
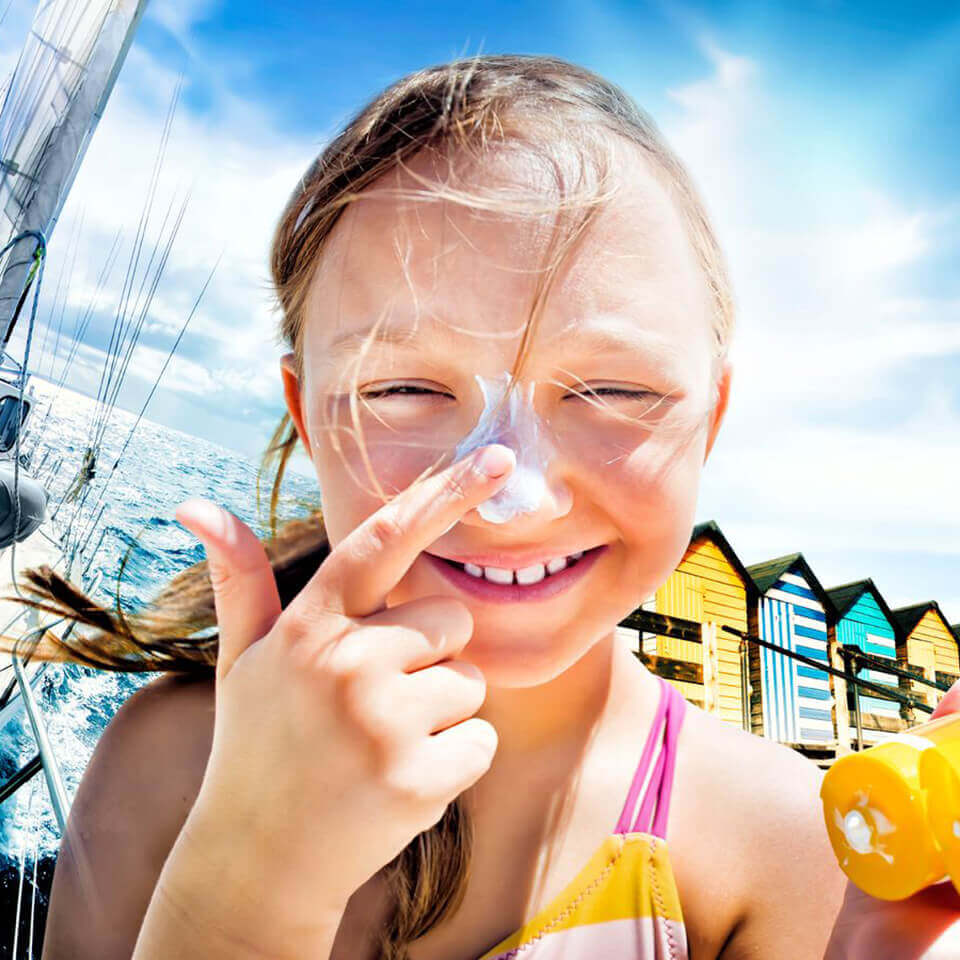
517, 426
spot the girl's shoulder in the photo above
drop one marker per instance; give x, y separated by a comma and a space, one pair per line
746, 834
128, 810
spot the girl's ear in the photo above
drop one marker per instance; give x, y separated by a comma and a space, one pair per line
720, 407
294, 398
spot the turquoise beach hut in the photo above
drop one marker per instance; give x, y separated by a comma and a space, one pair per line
864, 620
791, 701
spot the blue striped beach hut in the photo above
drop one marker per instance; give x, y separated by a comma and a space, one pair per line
792, 701
864, 620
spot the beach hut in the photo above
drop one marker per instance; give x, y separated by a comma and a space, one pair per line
865, 621
928, 643
679, 629
791, 702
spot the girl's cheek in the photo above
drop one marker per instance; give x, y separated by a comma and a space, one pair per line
651, 497
640, 484
354, 481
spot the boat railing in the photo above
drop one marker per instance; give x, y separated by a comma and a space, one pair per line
20, 692
45, 755
22, 687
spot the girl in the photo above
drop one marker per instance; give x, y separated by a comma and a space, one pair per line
417, 733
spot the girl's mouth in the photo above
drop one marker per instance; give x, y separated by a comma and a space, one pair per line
484, 587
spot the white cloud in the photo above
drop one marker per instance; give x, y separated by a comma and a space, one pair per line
239, 172
834, 441
178, 16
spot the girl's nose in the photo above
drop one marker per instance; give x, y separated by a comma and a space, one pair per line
530, 498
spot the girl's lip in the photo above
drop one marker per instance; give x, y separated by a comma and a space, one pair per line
510, 592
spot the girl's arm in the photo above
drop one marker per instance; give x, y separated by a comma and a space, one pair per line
132, 801
125, 820
794, 887
212, 903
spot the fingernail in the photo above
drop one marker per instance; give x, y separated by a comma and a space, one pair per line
496, 460
208, 514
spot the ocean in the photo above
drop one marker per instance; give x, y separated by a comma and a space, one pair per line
159, 469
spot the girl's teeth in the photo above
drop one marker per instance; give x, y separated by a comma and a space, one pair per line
498, 575
526, 576
532, 574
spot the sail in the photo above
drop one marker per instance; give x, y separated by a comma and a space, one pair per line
49, 110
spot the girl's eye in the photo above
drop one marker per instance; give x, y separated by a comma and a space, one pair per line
615, 392
400, 389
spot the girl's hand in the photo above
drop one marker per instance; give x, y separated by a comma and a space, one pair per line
343, 729
925, 926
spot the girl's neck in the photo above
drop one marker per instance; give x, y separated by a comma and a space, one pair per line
562, 716
570, 743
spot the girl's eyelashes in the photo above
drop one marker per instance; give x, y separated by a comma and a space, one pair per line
614, 392
403, 389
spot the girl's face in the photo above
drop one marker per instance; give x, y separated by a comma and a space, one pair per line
617, 385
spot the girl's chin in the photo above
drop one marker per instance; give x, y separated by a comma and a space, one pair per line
523, 661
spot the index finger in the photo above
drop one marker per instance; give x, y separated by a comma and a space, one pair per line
374, 557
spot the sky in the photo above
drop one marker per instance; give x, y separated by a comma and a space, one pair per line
823, 138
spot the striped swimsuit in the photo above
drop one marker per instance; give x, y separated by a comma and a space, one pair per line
623, 904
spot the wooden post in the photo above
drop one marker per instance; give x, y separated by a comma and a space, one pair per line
850, 660
931, 695
907, 712
711, 668
745, 686
841, 711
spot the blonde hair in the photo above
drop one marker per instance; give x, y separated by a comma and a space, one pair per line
467, 107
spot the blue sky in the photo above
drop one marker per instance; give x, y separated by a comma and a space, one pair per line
823, 137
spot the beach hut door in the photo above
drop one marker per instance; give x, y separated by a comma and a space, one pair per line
778, 673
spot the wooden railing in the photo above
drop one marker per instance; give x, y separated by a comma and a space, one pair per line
852, 657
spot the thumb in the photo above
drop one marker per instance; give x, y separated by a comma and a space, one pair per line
949, 702
244, 588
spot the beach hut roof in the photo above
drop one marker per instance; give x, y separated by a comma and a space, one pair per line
768, 572
956, 631
711, 529
846, 595
909, 617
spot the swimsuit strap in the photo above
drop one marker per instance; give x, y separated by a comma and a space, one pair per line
665, 731
669, 757
623, 824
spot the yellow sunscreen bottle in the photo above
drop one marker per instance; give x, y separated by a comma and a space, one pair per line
875, 809
940, 779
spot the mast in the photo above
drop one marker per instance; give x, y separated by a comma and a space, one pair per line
50, 108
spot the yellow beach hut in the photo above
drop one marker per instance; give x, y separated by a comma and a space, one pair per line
679, 630
929, 643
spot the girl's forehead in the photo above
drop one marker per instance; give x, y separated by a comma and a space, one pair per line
405, 264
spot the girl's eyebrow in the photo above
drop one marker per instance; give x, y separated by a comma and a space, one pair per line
402, 335
587, 337
625, 337
621, 337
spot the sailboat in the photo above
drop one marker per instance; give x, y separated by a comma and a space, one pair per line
49, 109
